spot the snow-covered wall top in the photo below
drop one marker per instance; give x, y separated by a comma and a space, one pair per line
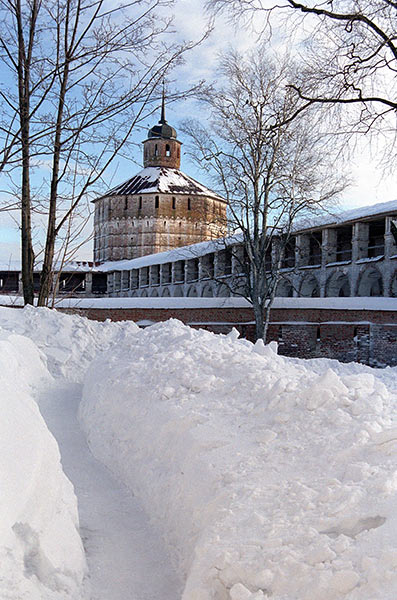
357, 303
348, 216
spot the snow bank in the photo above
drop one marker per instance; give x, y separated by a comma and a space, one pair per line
69, 342
269, 480
41, 555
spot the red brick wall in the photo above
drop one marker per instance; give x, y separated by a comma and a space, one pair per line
364, 336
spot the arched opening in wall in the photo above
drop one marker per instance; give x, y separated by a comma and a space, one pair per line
178, 291
338, 285
165, 293
140, 203
370, 283
189, 204
154, 294
144, 294
126, 203
309, 287
156, 202
192, 292
207, 292
173, 203
156, 150
167, 150
223, 291
285, 289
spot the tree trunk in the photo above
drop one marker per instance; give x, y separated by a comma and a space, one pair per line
259, 321
48, 266
27, 254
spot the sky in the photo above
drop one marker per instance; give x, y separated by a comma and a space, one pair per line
370, 183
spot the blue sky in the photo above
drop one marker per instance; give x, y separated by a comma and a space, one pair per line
371, 184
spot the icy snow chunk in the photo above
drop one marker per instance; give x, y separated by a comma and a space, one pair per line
239, 592
344, 581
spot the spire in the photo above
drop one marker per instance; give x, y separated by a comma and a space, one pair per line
162, 119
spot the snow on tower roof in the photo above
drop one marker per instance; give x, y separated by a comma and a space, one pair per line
161, 180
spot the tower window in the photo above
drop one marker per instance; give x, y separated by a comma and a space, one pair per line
125, 203
167, 150
140, 203
156, 202
189, 204
156, 150
173, 203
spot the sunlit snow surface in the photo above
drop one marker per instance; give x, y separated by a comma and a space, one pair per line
268, 477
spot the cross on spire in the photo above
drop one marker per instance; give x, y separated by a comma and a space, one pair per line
162, 119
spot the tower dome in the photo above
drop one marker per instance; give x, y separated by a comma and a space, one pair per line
161, 148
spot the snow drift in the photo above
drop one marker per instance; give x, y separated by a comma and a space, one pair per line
69, 342
41, 554
269, 479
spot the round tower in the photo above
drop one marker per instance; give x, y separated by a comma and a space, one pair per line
159, 208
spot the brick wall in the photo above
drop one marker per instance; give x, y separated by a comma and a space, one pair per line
365, 336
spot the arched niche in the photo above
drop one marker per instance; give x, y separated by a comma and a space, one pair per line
309, 287
207, 291
285, 289
370, 283
192, 292
338, 285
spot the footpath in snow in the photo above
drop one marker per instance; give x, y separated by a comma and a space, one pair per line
268, 478
126, 559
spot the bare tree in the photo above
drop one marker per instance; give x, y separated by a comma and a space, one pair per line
81, 76
350, 54
269, 177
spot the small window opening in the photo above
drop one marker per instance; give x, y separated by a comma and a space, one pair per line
156, 202
173, 203
156, 150
280, 334
318, 334
140, 202
165, 223
167, 150
189, 204
180, 223
125, 203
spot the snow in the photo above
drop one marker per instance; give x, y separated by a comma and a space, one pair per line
125, 555
267, 479
347, 216
161, 180
336, 303
41, 554
261, 476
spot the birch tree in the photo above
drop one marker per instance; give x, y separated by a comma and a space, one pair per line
270, 177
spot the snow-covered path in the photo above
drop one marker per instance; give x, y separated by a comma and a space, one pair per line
126, 559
